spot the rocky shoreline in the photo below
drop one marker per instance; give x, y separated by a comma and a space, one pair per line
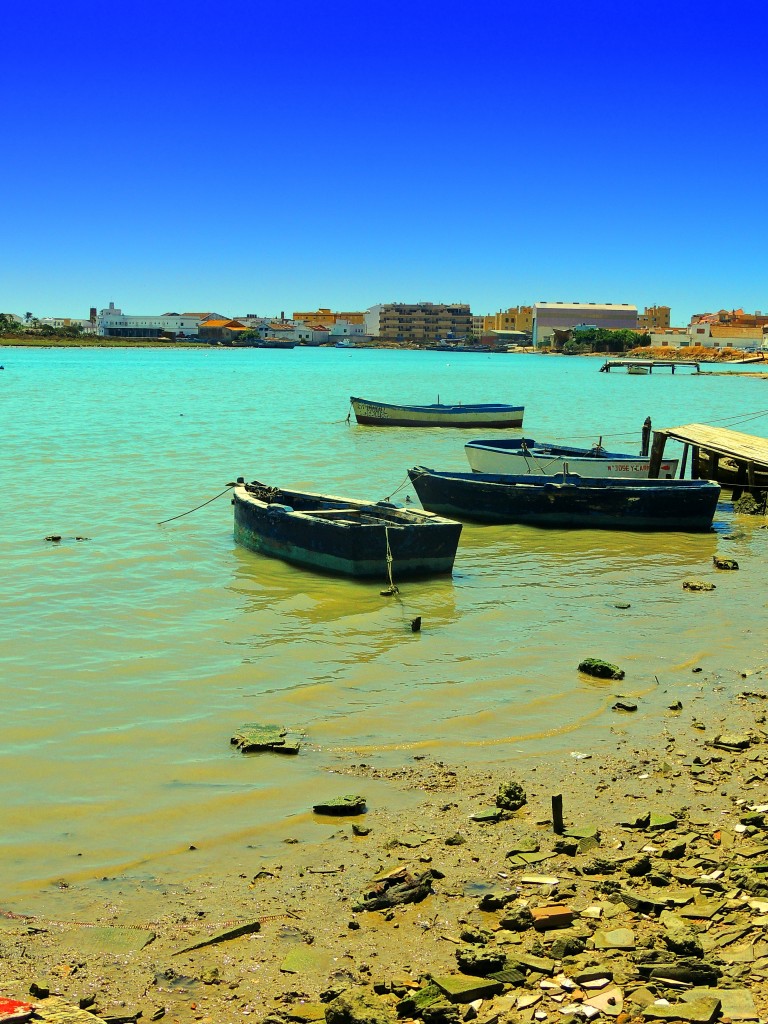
650, 904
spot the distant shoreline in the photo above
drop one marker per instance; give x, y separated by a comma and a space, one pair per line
98, 342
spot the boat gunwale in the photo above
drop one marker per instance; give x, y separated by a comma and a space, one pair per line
513, 446
439, 407
530, 480
401, 516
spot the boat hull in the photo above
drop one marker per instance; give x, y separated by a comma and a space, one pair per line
569, 502
382, 414
522, 455
345, 536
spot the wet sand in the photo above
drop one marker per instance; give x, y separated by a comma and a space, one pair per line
313, 940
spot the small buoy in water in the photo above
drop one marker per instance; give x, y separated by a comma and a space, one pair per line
416, 624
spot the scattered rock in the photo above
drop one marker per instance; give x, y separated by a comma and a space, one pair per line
724, 563
517, 919
396, 888
480, 960
698, 585
625, 705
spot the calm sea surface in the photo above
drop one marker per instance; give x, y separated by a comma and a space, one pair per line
128, 659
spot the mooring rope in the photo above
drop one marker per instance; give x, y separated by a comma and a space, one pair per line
182, 514
730, 420
392, 589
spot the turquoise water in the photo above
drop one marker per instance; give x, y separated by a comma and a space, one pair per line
130, 658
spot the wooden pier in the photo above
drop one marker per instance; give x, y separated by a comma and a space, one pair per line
649, 364
747, 456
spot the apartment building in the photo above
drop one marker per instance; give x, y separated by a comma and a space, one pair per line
327, 318
515, 318
654, 318
418, 323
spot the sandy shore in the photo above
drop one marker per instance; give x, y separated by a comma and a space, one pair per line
314, 940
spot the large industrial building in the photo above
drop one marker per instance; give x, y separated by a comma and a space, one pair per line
549, 317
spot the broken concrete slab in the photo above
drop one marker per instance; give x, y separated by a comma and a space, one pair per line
107, 939
254, 736
610, 1001
700, 1011
736, 1003
462, 989
555, 916
619, 938
303, 959
340, 805
55, 1010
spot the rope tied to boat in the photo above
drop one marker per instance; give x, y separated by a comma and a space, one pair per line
392, 588
214, 498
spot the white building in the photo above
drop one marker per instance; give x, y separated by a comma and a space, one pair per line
57, 322
747, 339
113, 323
344, 329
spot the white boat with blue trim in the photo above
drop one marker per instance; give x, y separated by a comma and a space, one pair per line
525, 455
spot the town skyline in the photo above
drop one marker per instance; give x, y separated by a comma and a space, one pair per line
346, 154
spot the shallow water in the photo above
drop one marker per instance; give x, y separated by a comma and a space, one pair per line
130, 658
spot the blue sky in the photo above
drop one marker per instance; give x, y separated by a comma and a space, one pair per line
244, 156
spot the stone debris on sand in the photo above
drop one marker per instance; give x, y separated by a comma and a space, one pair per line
651, 904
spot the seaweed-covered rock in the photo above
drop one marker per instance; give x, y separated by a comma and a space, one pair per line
600, 669
698, 585
746, 505
413, 1004
511, 796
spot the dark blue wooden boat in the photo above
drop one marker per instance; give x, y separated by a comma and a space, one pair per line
343, 535
569, 500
